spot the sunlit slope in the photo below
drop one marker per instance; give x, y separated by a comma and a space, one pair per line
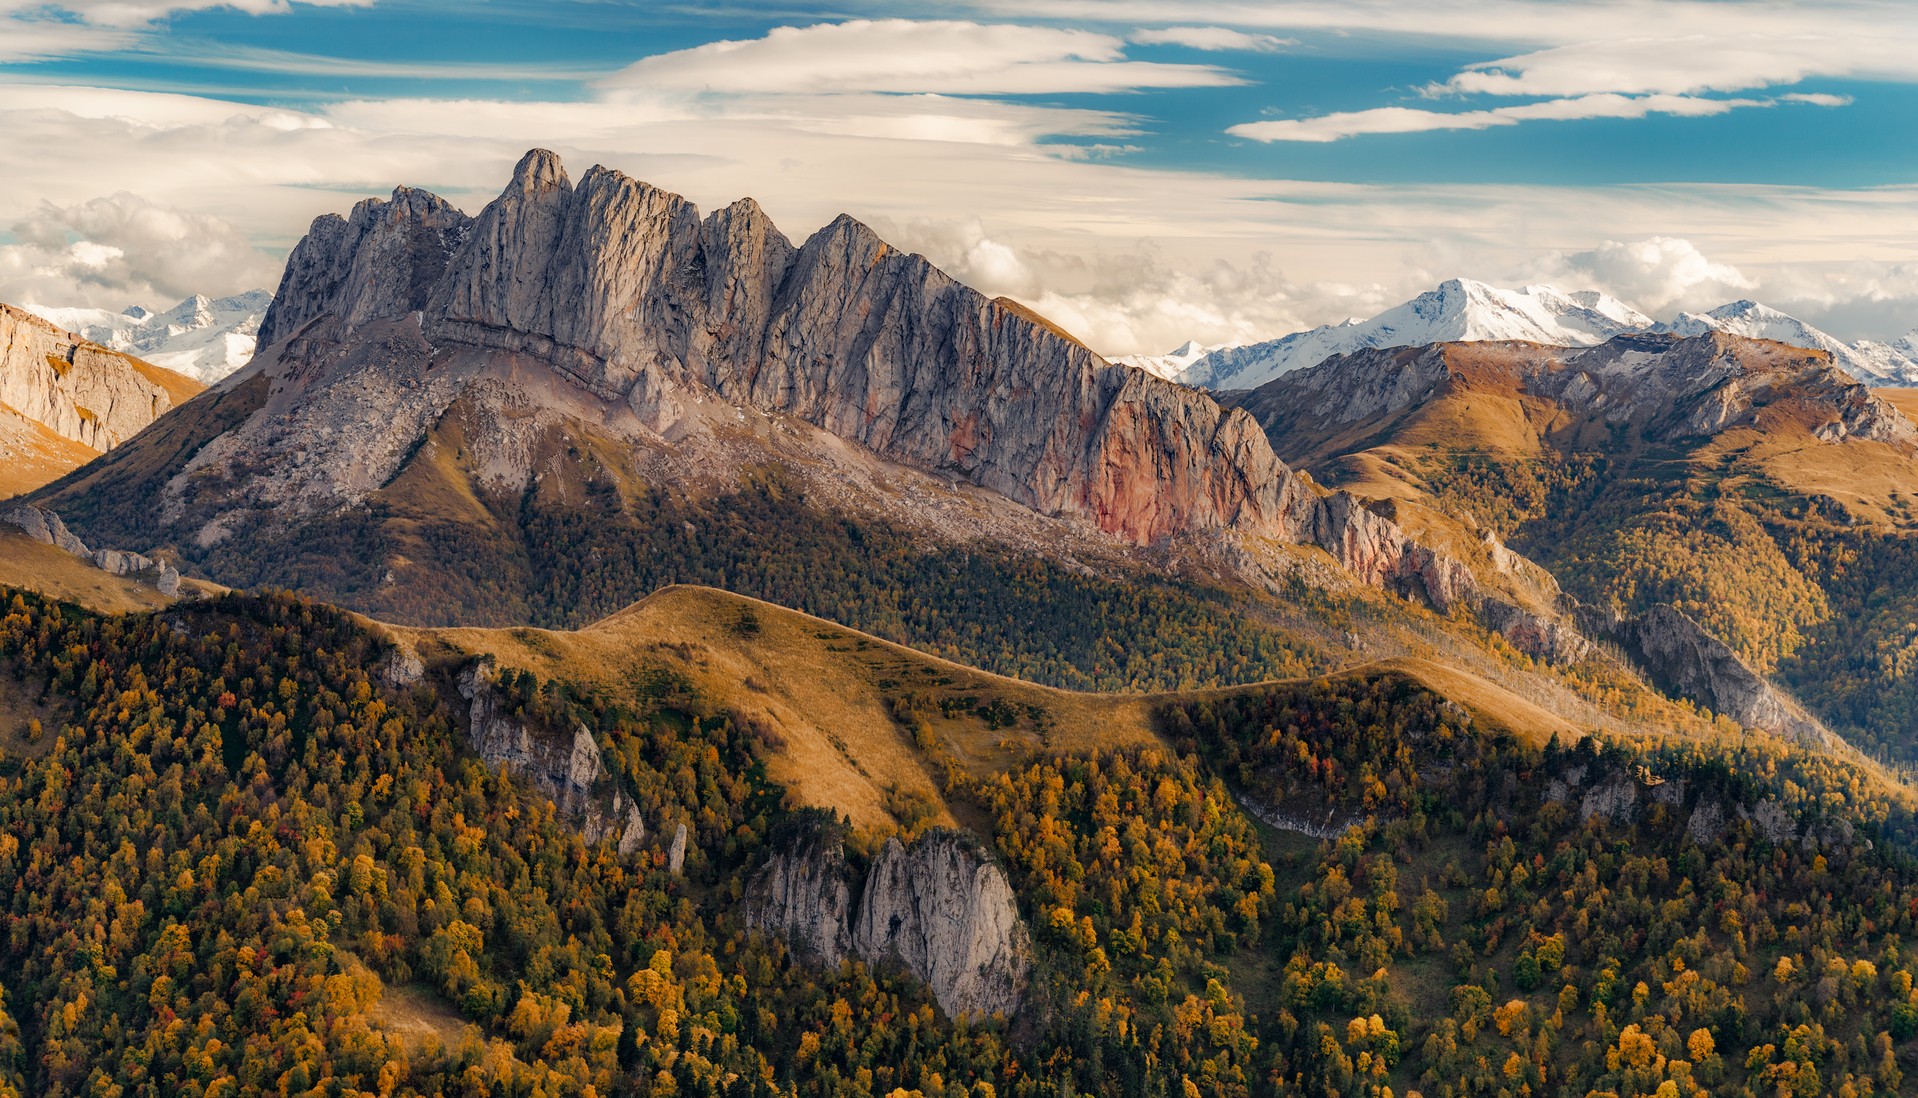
847, 706
58, 574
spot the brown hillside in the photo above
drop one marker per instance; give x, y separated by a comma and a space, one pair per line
831, 693
58, 574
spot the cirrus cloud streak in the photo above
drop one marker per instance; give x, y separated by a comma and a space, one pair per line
1393, 120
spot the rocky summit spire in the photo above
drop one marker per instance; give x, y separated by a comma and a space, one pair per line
538, 170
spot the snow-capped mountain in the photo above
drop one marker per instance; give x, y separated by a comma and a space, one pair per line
1172, 365
1872, 363
203, 338
1462, 310
1457, 310
1897, 360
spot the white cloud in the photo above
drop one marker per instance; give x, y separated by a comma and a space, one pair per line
1569, 50
1726, 59
39, 30
1334, 127
1212, 38
907, 56
136, 13
121, 250
25, 39
1658, 275
1062, 234
1136, 298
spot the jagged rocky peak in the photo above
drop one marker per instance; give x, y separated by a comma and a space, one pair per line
378, 262
627, 292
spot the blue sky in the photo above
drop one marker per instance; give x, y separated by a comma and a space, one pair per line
1145, 172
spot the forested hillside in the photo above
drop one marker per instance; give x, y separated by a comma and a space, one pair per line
236, 861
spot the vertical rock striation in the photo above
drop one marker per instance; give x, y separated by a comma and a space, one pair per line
631, 294
948, 915
938, 907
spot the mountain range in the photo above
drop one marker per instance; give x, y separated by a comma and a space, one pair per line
203, 338
1465, 310
427, 372
623, 649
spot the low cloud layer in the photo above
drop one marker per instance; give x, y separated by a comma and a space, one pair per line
971, 140
1658, 276
123, 250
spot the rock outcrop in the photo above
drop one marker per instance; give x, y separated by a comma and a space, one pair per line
378, 261
567, 769
623, 307
943, 910
938, 906
45, 527
630, 294
79, 390
1682, 658
1619, 796
804, 895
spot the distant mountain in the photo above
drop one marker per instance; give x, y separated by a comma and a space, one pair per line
1462, 310
203, 338
1173, 365
1459, 309
1749, 486
64, 400
1873, 363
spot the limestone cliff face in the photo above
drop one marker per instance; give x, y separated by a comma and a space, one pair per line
80, 390
612, 303
947, 914
567, 769
804, 895
630, 294
1379, 552
938, 906
1682, 657
378, 261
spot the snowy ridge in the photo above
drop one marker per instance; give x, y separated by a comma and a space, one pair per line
1173, 365
1459, 309
203, 338
1462, 310
1872, 363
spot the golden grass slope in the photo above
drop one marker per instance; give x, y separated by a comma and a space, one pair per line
832, 694
58, 574
32, 455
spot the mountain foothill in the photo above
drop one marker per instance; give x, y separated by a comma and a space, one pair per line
596, 646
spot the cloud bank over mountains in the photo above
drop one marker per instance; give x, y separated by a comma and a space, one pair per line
1001, 140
